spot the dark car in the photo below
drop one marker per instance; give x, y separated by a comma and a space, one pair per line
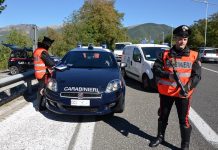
20, 59
87, 81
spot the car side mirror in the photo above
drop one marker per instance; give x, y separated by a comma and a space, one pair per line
123, 65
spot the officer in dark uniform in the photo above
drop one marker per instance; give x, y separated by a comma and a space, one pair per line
42, 63
188, 66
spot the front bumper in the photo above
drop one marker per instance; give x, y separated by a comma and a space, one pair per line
209, 59
98, 106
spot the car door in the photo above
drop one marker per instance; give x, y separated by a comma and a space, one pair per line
136, 64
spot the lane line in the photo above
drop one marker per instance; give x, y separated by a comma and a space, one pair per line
73, 139
208, 133
85, 135
210, 69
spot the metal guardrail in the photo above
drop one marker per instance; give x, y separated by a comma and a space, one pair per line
15, 80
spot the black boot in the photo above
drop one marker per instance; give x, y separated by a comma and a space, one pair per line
160, 135
185, 136
39, 103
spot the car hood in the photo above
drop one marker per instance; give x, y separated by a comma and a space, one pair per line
74, 79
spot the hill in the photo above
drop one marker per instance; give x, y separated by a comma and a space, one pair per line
137, 32
149, 31
26, 28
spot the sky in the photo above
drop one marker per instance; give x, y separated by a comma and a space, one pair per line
54, 12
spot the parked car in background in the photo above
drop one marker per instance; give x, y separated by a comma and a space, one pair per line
20, 59
140, 60
118, 51
208, 54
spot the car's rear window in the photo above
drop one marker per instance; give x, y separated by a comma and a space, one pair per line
89, 59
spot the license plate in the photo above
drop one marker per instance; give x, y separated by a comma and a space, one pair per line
76, 102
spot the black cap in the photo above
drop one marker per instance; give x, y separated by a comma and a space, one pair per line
182, 31
46, 42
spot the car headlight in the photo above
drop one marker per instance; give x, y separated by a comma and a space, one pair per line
52, 85
113, 85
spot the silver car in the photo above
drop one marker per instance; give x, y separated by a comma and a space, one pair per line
208, 54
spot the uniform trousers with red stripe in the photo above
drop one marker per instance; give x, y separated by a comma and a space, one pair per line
182, 105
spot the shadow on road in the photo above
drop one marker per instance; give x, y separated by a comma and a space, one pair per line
137, 85
125, 127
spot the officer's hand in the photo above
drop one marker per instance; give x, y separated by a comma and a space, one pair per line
183, 95
51, 70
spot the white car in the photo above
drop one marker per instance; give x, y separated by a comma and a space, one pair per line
208, 54
118, 51
139, 59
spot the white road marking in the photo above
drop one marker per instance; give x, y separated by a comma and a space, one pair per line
28, 129
85, 136
210, 69
208, 133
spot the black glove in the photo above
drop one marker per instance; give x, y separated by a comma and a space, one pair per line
187, 89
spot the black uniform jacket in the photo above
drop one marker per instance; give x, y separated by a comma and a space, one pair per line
47, 59
196, 67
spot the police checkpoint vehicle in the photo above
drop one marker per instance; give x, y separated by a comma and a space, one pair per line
87, 81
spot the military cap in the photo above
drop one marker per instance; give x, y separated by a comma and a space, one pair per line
46, 41
183, 31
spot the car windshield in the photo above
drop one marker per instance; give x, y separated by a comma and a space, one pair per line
119, 46
151, 53
89, 59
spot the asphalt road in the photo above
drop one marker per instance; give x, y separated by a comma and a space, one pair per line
24, 128
205, 99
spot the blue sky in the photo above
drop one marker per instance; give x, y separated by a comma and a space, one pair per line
53, 12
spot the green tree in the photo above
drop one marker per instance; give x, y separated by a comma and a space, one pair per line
212, 34
2, 7
97, 22
59, 47
4, 55
18, 38
198, 32
14, 37
197, 37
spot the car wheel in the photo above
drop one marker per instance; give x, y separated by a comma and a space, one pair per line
14, 70
146, 83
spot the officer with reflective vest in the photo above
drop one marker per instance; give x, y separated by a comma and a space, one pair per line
42, 64
187, 66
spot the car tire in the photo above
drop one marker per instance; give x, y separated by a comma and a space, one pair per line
146, 85
14, 70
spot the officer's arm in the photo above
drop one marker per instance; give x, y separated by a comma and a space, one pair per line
47, 59
196, 73
158, 68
